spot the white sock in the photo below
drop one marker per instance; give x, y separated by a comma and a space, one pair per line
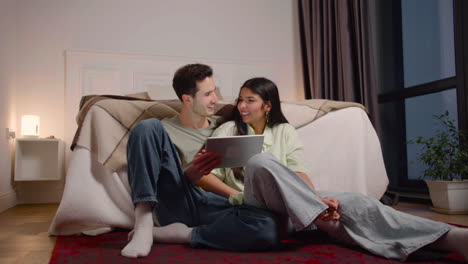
455, 240
142, 238
176, 233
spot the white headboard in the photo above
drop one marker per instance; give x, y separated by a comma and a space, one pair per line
111, 73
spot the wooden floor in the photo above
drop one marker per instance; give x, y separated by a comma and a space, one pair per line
23, 234
24, 237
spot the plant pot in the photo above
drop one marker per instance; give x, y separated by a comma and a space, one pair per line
449, 197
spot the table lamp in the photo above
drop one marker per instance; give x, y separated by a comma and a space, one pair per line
30, 126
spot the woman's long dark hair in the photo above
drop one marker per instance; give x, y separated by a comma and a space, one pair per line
268, 91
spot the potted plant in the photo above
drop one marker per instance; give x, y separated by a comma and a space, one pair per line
445, 157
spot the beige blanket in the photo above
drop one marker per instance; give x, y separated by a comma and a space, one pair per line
104, 122
301, 113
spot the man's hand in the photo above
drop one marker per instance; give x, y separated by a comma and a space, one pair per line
332, 212
203, 163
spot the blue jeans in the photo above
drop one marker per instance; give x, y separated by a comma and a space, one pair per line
155, 175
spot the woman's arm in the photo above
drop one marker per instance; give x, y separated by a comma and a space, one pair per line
332, 212
306, 179
295, 159
211, 183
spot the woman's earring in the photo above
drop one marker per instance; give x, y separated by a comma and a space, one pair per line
268, 117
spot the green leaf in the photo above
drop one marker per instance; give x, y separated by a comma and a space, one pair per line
445, 155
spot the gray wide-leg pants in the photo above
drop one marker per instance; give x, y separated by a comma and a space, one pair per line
364, 221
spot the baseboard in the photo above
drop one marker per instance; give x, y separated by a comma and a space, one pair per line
413, 197
8, 200
40, 197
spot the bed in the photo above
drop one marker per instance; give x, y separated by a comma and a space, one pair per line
342, 148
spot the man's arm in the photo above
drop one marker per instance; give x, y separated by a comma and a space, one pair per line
203, 163
211, 183
199, 173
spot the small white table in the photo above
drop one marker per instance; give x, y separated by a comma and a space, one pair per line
38, 159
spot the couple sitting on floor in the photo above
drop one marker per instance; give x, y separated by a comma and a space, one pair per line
243, 209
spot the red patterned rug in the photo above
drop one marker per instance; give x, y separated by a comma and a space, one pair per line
311, 249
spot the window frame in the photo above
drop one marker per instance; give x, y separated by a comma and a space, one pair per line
398, 96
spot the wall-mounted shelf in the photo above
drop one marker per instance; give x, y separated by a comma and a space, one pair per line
39, 159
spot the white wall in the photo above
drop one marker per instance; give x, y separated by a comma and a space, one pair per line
226, 29
245, 29
7, 99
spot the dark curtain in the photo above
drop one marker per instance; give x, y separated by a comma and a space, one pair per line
337, 53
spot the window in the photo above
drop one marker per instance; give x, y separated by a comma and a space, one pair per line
422, 72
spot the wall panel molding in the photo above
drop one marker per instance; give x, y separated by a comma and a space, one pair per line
92, 72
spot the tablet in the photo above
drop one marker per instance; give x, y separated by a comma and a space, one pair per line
235, 151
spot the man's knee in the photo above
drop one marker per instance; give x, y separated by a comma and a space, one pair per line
147, 126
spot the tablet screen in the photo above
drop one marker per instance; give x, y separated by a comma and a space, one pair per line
235, 151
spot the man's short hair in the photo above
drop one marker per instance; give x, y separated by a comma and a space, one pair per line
186, 78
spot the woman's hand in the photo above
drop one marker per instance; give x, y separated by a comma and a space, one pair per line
332, 212
203, 163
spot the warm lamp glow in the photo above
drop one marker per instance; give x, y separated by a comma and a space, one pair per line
30, 126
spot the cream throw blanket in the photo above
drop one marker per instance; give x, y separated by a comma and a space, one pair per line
104, 122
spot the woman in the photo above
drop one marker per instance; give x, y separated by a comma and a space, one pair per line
277, 180
256, 114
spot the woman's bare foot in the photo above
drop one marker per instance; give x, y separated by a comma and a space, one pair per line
455, 240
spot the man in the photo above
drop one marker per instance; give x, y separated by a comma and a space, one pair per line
164, 158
